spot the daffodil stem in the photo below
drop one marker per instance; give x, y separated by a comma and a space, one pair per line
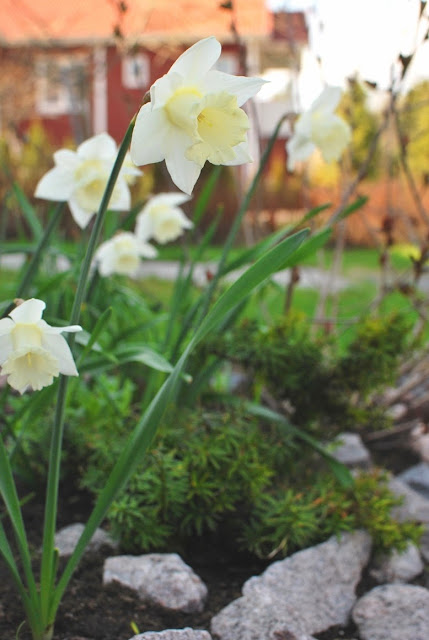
48, 561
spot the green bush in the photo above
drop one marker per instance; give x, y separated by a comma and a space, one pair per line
287, 521
322, 387
242, 482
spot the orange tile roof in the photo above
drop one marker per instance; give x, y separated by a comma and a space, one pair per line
24, 21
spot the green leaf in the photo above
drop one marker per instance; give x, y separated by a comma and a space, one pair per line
28, 212
340, 471
271, 262
309, 247
351, 208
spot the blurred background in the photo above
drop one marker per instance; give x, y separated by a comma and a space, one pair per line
72, 70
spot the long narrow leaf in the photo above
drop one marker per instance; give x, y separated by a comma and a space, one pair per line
274, 260
28, 212
309, 247
11, 502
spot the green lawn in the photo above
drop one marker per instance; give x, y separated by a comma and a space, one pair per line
359, 266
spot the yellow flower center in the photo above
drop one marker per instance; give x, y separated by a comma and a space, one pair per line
127, 259
222, 125
30, 366
183, 107
26, 336
91, 178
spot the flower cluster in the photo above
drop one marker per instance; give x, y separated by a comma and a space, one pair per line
32, 353
319, 127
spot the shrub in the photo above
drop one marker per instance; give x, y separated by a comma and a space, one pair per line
323, 388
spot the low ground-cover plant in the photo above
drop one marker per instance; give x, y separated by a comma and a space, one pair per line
324, 388
214, 473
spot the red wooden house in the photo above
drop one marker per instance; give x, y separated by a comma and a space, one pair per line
82, 67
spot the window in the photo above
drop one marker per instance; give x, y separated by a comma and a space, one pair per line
135, 71
60, 85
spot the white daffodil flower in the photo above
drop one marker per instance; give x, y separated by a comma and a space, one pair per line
122, 254
319, 127
80, 178
194, 115
32, 352
162, 219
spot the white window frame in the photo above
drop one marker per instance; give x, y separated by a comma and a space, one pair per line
53, 93
136, 71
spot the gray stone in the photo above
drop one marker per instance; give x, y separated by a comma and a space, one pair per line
350, 450
393, 612
162, 579
424, 544
417, 477
397, 411
67, 538
414, 506
304, 594
420, 444
174, 634
398, 567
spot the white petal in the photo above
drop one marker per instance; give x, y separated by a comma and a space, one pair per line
184, 221
57, 184
150, 136
303, 126
183, 172
171, 199
144, 226
194, 63
298, 149
66, 158
28, 312
240, 86
6, 347
6, 324
334, 140
121, 197
100, 146
46, 328
80, 216
58, 347
163, 88
328, 99
242, 155
146, 250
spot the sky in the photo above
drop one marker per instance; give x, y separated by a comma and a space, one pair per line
363, 36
